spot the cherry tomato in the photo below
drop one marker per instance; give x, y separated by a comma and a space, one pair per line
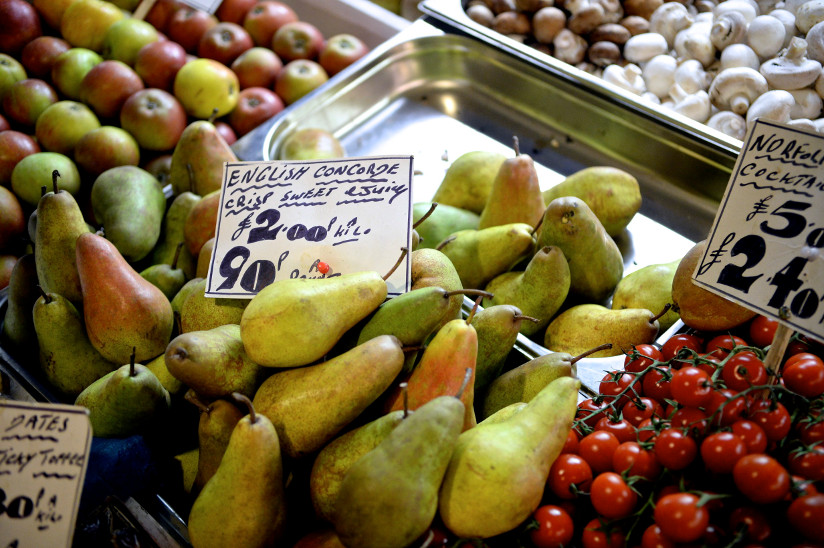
656, 384
597, 448
674, 344
743, 370
571, 443
806, 515
653, 537
555, 528
722, 345
599, 535
622, 429
615, 385
680, 518
639, 359
692, 419
751, 523
611, 496
804, 376
773, 417
633, 459
590, 411
751, 434
761, 478
808, 462
674, 449
811, 430
721, 450
646, 431
800, 356
725, 407
691, 387
642, 408
568, 470
762, 330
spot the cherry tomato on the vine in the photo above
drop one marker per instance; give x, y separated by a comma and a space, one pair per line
743, 370
753, 435
642, 408
811, 429
656, 384
807, 462
772, 416
615, 386
571, 443
804, 376
674, 344
621, 428
806, 515
721, 345
555, 528
597, 448
762, 330
633, 459
691, 418
674, 449
680, 517
721, 450
725, 407
639, 359
761, 478
601, 535
646, 431
691, 387
590, 411
653, 537
751, 523
568, 470
611, 496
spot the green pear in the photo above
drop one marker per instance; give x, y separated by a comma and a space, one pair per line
585, 326
502, 414
430, 267
169, 382
183, 293
18, 324
497, 327
480, 255
515, 196
444, 221
67, 358
468, 180
171, 234
389, 497
293, 322
168, 278
213, 363
129, 204
648, 287
337, 457
201, 313
611, 193
198, 158
595, 262
497, 474
311, 405
538, 291
243, 504
125, 401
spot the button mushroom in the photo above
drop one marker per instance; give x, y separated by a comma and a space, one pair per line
739, 55
669, 19
728, 28
747, 8
692, 105
694, 43
628, 77
643, 47
808, 104
736, 88
791, 69
729, 123
774, 105
691, 76
547, 23
808, 14
659, 74
765, 35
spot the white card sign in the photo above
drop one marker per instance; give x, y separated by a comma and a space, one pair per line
766, 247
311, 219
209, 6
43, 459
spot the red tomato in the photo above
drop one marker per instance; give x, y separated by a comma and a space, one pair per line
597, 448
674, 344
752, 435
804, 376
744, 370
811, 429
555, 528
642, 408
722, 345
646, 431
762, 330
571, 443
590, 411
761, 478
806, 515
615, 385
674, 449
599, 535
691, 418
726, 407
721, 450
773, 417
691, 387
641, 357
622, 429
653, 537
633, 459
656, 384
808, 463
680, 518
611, 496
752, 522
568, 470
800, 356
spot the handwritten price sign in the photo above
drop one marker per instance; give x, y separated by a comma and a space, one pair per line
311, 219
766, 247
43, 449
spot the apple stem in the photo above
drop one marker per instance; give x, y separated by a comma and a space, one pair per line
248, 403
177, 255
427, 214
605, 346
404, 251
132, 372
55, 176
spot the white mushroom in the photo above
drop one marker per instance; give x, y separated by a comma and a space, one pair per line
765, 35
736, 88
694, 43
748, 9
815, 42
668, 19
728, 28
692, 105
808, 14
793, 5
791, 69
808, 104
659, 74
627, 77
729, 123
691, 76
766, 6
787, 18
803, 123
643, 47
739, 55
774, 105
651, 97
818, 123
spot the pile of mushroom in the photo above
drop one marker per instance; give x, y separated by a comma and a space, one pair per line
720, 63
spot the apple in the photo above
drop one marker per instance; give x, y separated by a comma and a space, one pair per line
255, 106
266, 17
340, 51
226, 131
39, 55
19, 25
14, 146
157, 63
160, 167
70, 68
233, 11
7, 263
26, 99
161, 12
62, 124
51, 11
85, 22
257, 67
107, 86
297, 40
35, 171
224, 42
297, 78
4, 124
104, 148
127, 5
187, 25
155, 118
206, 88
11, 71
124, 39
12, 218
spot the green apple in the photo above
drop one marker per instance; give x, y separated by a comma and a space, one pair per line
297, 78
206, 87
69, 69
104, 148
124, 39
85, 22
35, 171
11, 71
61, 125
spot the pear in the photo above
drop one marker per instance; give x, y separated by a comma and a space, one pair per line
337, 457
612, 194
497, 473
497, 327
311, 405
595, 262
204, 258
700, 308
198, 158
502, 414
243, 504
213, 363
168, 278
201, 313
169, 382
129, 204
584, 326
125, 401
171, 234
201, 222
648, 287
18, 324
538, 291
122, 311
480, 255
187, 289
67, 358
468, 180
217, 420
389, 497
430, 267
515, 196
188, 467
293, 322
444, 221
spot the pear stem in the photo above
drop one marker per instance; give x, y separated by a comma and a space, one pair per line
443, 243
525, 317
191, 397
55, 176
248, 403
540, 222
465, 383
132, 372
43, 294
429, 538
427, 214
516, 145
403, 386
43, 190
404, 251
407, 349
213, 116
468, 291
191, 173
605, 346
177, 255
474, 309
664, 311
176, 316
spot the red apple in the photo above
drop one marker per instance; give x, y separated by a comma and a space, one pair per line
26, 99
62, 124
19, 25
297, 78
224, 42
4, 124
160, 167
107, 86
7, 263
104, 148
187, 25
154, 117
157, 63
51, 11
257, 66
297, 40
12, 218
340, 51
39, 55
70, 68
266, 17
14, 146
233, 11
226, 132
255, 106
11, 71
161, 12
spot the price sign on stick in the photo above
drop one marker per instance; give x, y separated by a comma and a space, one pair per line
43, 450
311, 219
766, 247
